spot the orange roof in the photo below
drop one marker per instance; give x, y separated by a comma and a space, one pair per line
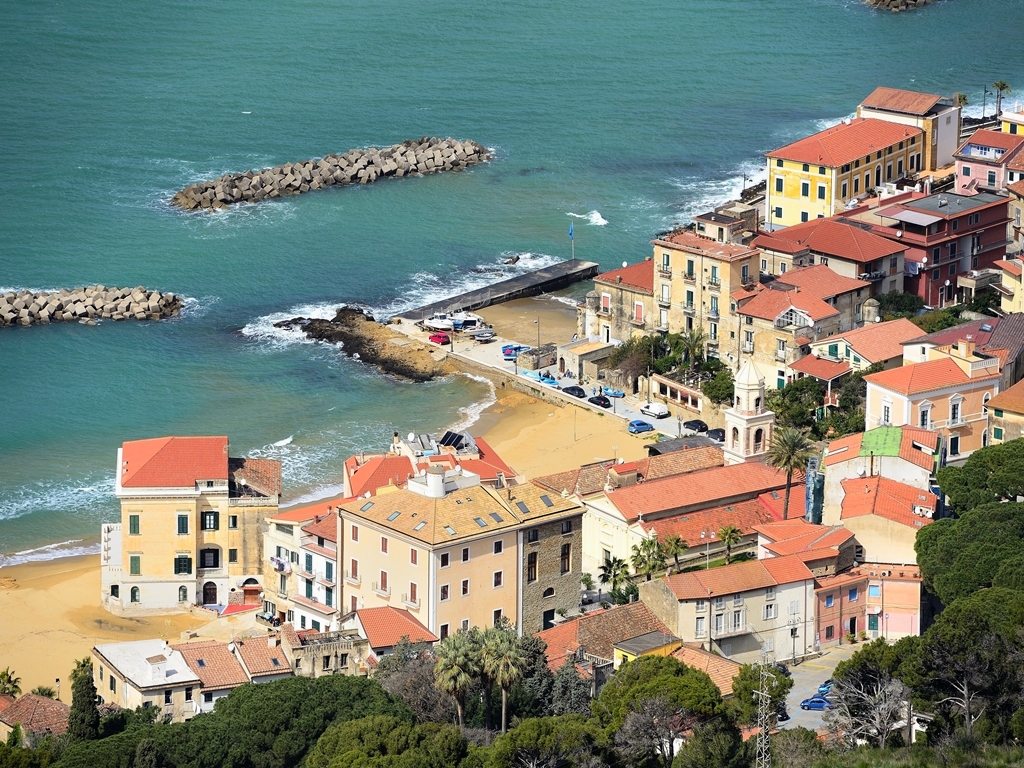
774, 501
490, 457
846, 142
917, 378
306, 512
691, 243
173, 462
871, 571
832, 237
745, 515
325, 527
995, 139
37, 715
797, 537
721, 670
820, 368
1011, 399
886, 498
377, 472
697, 490
876, 342
677, 462
1011, 265
738, 577
214, 665
385, 626
899, 100
851, 446
638, 276
259, 659
821, 281
597, 632
768, 305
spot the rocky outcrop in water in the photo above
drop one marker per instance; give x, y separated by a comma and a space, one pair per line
898, 5
86, 305
357, 166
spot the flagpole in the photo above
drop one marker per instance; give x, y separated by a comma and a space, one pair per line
572, 240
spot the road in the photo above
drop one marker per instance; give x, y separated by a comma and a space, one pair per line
807, 676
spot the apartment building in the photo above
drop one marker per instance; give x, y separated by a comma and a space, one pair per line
282, 542
190, 530
458, 554
315, 599
817, 176
146, 673
1012, 122
1001, 337
622, 304
874, 343
876, 599
1015, 211
937, 116
982, 162
740, 610
1006, 415
734, 222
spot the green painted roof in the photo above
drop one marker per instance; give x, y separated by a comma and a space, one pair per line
881, 441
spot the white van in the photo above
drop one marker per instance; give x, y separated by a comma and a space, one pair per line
657, 410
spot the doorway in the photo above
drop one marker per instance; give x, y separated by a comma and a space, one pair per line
853, 625
209, 593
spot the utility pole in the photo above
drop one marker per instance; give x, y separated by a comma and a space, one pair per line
765, 716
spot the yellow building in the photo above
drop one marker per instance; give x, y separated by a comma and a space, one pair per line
649, 644
1011, 297
1006, 415
457, 554
816, 176
1012, 122
936, 115
190, 530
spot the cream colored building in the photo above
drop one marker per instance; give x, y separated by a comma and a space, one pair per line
282, 544
146, 673
622, 304
936, 116
190, 530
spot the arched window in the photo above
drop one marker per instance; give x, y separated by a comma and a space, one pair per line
135, 594
182, 594
549, 592
735, 437
758, 440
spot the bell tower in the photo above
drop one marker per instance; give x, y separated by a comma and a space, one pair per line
748, 424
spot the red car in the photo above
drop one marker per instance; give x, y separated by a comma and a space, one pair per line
441, 338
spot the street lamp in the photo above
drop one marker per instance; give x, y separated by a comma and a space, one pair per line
537, 323
707, 548
58, 689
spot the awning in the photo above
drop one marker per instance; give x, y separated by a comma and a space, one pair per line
910, 217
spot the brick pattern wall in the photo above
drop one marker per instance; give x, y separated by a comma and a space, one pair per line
548, 548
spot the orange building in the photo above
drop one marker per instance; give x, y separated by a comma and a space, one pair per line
875, 599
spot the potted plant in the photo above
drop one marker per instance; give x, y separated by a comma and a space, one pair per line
850, 638
588, 581
863, 634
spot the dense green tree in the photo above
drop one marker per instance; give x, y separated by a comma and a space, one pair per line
721, 388
14, 737
146, 755
84, 717
648, 557
675, 546
995, 473
571, 693
614, 572
937, 320
959, 557
19, 757
878, 659
744, 703
790, 451
567, 741
692, 344
796, 403
502, 659
388, 742
899, 304
714, 744
532, 696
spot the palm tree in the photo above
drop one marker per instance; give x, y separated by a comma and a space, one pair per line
673, 547
730, 535
692, 343
504, 663
960, 99
456, 667
614, 571
45, 690
1001, 87
790, 451
9, 684
648, 557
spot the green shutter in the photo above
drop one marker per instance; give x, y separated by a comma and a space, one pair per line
309, 563
833, 350
133, 525
329, 597
309, 588
997, 433
873, 623
135, 565
999, 413
216, 520
182, 524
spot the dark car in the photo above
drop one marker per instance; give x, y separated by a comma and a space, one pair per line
717, 435
440, 338
817, 702
636, 426
781, 715
575, 391
600, 400
780, 667
695, 425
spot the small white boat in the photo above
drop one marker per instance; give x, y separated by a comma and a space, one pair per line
440, 321
464, 321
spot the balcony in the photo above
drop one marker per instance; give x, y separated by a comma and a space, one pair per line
665, 301
411, 603
687, 309
748, 347
637, 322
280, 565
730, 629
665, 270
713, 313
873, 277
353, 578
714, 283
313, 604
327, 581
384, 591
712, 343
780, 355
689, 277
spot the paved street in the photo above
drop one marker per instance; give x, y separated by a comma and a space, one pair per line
807, 676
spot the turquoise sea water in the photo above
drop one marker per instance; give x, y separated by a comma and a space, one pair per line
629, 116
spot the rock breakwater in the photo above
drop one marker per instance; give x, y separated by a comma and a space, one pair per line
88, 304
357, 166
898, 5
365, 339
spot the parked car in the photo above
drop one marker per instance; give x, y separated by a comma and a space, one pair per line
575, 391
781, 715
825, 688
779, 666
817, 702
600, 401
695, 425
636, 426
441, 338
657, 410
717, 435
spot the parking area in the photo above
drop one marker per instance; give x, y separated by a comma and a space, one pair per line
807, 676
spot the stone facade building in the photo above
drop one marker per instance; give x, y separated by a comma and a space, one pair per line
552, 557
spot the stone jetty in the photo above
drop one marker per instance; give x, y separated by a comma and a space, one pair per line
357, 166
898, 5
86, 305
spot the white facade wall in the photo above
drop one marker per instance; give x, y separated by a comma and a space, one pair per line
310, 574
605, 530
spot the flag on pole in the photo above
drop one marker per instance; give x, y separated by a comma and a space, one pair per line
570, 230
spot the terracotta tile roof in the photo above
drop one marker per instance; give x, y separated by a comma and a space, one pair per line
679, 462
820, 280
259, 659
886, 498
721, 670
898, 441
1017, 164
325, 527
264, 475
899, 100
490, 457
639, 276
598, 631
306, 512
788, 539
691, 243
918, 378
983, 137
768, 305
1011, 399
173, 462
846, 142
697, 490
832, 237
1011, 265
214, 665
871, 571
774, 501
877, 342
379, 471
745, 515
588, 479
5, 701
385, 626
1005, 332
37, 715
738, 577
820, 368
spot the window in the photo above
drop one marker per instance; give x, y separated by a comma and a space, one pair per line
956, 224
778, 163
856, 185
874, 590
327, 663
115, 590
329, 597
998, 413
713, 327
354, 568
852, 597
886, 414
497, 617
769, 593
443, 631
829, 601
719, 603
804, 216
183, 594
638, 312
830, 632
807, 167
778, 212
384, 581
499, 547
465, 554
782, 266
209, 558
413, 590
302, 622
353, 603
770, 611
689, 267
714, 306
355, 533
532, 535
497, 579
936, 274
700, 626
714, 275
167, 697
566, 557
113, 684
295, 557
821, 191
764, 265
805, 189
309, 563
135, 565
384, 544
873, 623
445, 560
606, 303
309, 588
133, 525
778, 183
531, 567
566, 526
991, 178
188, 693
465, 587
413, 556
444, 592
211, 520
844, 190
997, 433
329, 570
182, 564
282, 584
952, 269
233, 522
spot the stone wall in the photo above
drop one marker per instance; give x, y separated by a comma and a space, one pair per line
566, 586
86, 305
357, 166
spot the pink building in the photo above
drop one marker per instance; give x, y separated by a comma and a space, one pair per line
876, 599
982, 161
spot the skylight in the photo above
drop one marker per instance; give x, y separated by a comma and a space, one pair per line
547, 501
275, 662
201, 662
366, 506
480, 521
420, 525
522, 507
451, 531
393, 516
496, 517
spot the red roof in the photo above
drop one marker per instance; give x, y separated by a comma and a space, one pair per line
325, 527
745, 515
37, 715
774, 501
385, 626
876, 342
917, 378
1011, 265
691, 243
308, 512
846, 142
833, 238
214, 665
490, 457
378, 472
820, 368
886, 498
721, 670
899, 100
768, 305
738, 577
258, 658
597, 632
798, 537
851, 446
995, 139
638, 276
821, 281
173, 462
696, 490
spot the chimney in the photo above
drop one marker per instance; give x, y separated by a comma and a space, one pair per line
273, 640
435, 482
618, 278
157, 668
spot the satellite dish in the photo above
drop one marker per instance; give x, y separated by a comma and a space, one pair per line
899, 233
625, 263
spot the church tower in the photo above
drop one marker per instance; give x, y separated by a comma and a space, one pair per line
748, 424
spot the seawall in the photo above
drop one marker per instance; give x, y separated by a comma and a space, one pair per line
87, 304
357, 166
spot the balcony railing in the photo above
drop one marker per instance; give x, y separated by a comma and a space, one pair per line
665, 301
780, 355
687, 308
730, 629
411, 603
689, 277
637, 321
382, 591
353, 578
714, 283
748, 347
665, 270
713, 313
